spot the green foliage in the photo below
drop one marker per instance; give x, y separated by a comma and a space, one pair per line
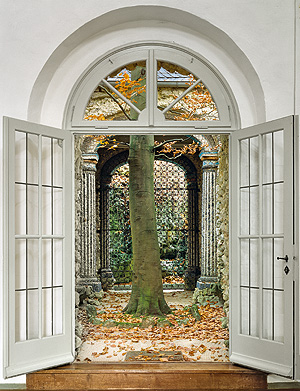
174, 267
212, 295
171, 210
120, 236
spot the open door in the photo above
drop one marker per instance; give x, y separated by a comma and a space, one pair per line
38, 247
262, 246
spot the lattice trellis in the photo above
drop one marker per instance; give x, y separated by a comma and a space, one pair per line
171, 200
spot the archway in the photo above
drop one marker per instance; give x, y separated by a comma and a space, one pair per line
225, 93
103, 180
109, 161
157, 87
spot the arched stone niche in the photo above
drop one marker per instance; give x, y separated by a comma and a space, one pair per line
103, 180
94, 170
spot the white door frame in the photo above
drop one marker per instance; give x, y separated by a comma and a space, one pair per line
238, 351
51, 342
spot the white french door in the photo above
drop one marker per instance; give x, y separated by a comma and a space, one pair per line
262, 246
38, 247
39, 330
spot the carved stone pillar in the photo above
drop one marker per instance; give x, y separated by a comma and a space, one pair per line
88, 269
192, 272
106, 275
209, 270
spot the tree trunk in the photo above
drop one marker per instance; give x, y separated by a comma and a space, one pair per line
147, 290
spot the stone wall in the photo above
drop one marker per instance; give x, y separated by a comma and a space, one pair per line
78, 140
78, 231
223, 221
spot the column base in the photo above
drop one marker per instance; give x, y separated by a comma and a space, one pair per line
206, 282
93, 282
190, 277
107, 279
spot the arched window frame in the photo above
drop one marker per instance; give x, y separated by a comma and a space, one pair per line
151, 119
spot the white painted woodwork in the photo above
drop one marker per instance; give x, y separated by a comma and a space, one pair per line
151, 119
262, 223
38, 253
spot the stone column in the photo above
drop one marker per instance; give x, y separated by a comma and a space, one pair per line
192, 272
88, 269
208, 264
106, 275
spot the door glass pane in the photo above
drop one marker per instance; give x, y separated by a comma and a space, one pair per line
47, 262
32, 314
20, 209
267, 314
46, 161
47, 210
267, 259
254, 262
254, 312
57, 162
32, 263
267, 209
20, 157
254, 210
244, 321
32, 210
57, 211
267, 158
278, 315
254, 160
20, 314
47, 312
244, 212
278, 208
57, 261
20, 264
278, 155
57, 311
32, 158
244, 243
244, 162
278, 264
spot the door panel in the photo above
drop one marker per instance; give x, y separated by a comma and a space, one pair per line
38, 253
261, 232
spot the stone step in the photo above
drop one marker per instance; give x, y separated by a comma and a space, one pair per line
148, 376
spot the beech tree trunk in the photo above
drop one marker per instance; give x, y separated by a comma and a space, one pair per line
147, 289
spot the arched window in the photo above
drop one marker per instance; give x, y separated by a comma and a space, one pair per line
152, 89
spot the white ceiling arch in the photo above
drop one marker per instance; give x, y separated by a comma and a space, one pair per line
69, 61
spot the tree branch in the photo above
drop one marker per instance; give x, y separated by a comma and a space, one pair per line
170, 141
168, 157
118, 103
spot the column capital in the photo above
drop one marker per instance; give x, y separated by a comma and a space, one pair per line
89, 161
209, 159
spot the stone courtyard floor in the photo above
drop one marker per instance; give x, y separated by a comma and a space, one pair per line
117, 333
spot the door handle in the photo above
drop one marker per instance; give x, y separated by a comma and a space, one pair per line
286, 258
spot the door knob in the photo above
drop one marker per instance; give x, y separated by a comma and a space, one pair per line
286, 258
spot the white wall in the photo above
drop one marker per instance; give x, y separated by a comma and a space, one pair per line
46, 45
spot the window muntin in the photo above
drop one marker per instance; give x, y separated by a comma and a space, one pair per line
120, 96
181, 96
39, 238
150, 116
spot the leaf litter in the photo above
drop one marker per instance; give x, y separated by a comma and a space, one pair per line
116, 333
